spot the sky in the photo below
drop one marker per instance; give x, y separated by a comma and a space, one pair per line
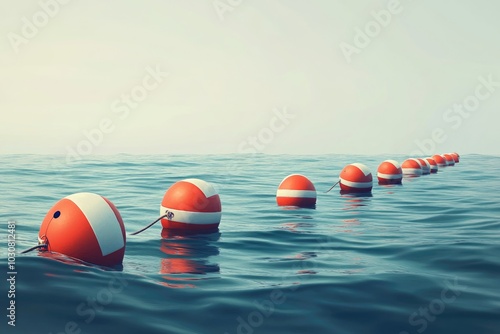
413, 77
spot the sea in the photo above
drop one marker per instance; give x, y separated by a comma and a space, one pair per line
421, 257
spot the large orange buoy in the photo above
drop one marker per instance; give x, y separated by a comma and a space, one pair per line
449, 160
191, 204
433, 165
426, 168
87, 227
389, 172
411, 167
296, 190
440, 160
456, 157
356, 178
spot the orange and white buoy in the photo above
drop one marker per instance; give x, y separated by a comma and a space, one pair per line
191, 204
296, 190
426, 168
87, 227
411, 167
456, 157
389, 172
356, 178
433, 165
449, 160
440, 160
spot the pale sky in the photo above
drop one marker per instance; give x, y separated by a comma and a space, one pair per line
233, 66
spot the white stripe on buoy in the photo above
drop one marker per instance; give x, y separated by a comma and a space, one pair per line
296, 193
414, 171
96, 209
362, 167
389, 176
190, 217
206, 188
356, 184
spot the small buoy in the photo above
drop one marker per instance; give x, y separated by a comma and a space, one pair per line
356, 178
411, 167
440, 160
87, 227
191, 204
296, 190
433, 165
449, 160
456, 157
389, 172
426, 168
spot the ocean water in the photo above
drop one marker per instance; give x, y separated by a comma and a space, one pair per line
423, 257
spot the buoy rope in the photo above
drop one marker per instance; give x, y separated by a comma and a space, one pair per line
33, 248
333, 186
145, 228
46, 244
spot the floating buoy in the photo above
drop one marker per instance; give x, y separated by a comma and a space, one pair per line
296, 190
389, 172
411, 167
440, 160
356, 178
456, 157
84, 226
191, 204
433, 165
449, 160
426, 168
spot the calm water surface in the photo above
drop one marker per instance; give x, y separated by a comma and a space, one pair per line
418, 258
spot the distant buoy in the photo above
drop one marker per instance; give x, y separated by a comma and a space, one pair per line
411, 167
389, 172
426, 167
356, 178
191, 204
449, 160
87, 227
456, 157
433, 165
440, 160
296, 190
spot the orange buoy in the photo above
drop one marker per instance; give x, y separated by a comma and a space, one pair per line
440, 160
449, 160
389, 172
356, 178
456, 157
191, 204
411, 167
87, 227
426, 168
432, 164
296, 190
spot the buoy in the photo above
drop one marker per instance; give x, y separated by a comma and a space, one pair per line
426, 168
296, 190
356, 178
449, 160
411, 167
389, 172
456, 157
191, 204
440, 160
433, 165
85, 226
